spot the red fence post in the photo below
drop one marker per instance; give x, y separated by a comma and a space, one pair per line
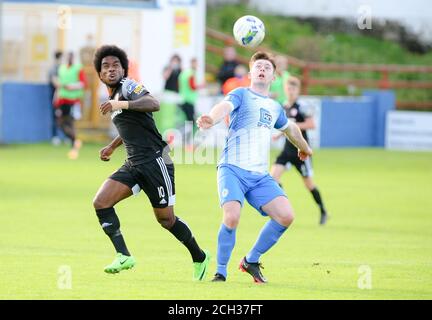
384, 81
305, 76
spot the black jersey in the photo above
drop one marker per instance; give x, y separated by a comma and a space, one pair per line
295, 112
138, 131
171, 83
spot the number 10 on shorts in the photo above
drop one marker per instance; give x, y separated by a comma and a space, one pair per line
161, 192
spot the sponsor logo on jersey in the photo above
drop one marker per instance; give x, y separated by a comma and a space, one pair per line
265, 118
139, 89
131, 87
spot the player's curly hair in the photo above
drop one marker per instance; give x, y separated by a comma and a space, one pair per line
260, 55
110, 50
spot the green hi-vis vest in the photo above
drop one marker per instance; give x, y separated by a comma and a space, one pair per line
186, 92
69, 75
277, 87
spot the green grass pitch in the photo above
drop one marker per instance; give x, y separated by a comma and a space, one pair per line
379, 235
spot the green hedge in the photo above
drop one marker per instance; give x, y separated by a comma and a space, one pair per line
287, 35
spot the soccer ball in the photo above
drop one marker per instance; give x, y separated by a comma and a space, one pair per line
249, 31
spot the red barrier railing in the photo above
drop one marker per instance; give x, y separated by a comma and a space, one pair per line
309, 80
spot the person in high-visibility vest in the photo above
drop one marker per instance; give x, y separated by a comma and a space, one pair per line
72, 81
53, 84
279, 84
188, 90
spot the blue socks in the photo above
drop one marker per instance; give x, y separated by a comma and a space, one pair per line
226, 242
270, 234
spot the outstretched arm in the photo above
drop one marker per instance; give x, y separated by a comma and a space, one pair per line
308, 124
146, 103
293, 133
106, 152
217, 113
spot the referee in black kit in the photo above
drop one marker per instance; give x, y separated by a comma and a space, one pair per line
289, 154
148, 165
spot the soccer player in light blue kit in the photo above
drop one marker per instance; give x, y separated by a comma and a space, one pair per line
243, 167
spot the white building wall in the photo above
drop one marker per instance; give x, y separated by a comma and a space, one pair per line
158, 42
147, 34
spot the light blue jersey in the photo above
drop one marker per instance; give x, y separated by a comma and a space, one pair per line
251, 121
242, 170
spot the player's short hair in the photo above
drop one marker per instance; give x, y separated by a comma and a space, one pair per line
260, 55
110, 50
176, 56
58, 54
294, 81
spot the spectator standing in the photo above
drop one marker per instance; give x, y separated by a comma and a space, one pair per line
226, 71
171, 73
188, 90
72, 82
53, 84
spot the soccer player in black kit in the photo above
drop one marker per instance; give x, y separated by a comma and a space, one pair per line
289, 155
148, 165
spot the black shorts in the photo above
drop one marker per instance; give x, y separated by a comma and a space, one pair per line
64, 110
189, 110
303, 167
156, 178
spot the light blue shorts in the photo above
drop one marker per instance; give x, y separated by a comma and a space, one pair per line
236, 184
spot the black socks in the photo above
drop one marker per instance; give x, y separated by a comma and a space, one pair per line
317, 197
181, 231
111, 226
